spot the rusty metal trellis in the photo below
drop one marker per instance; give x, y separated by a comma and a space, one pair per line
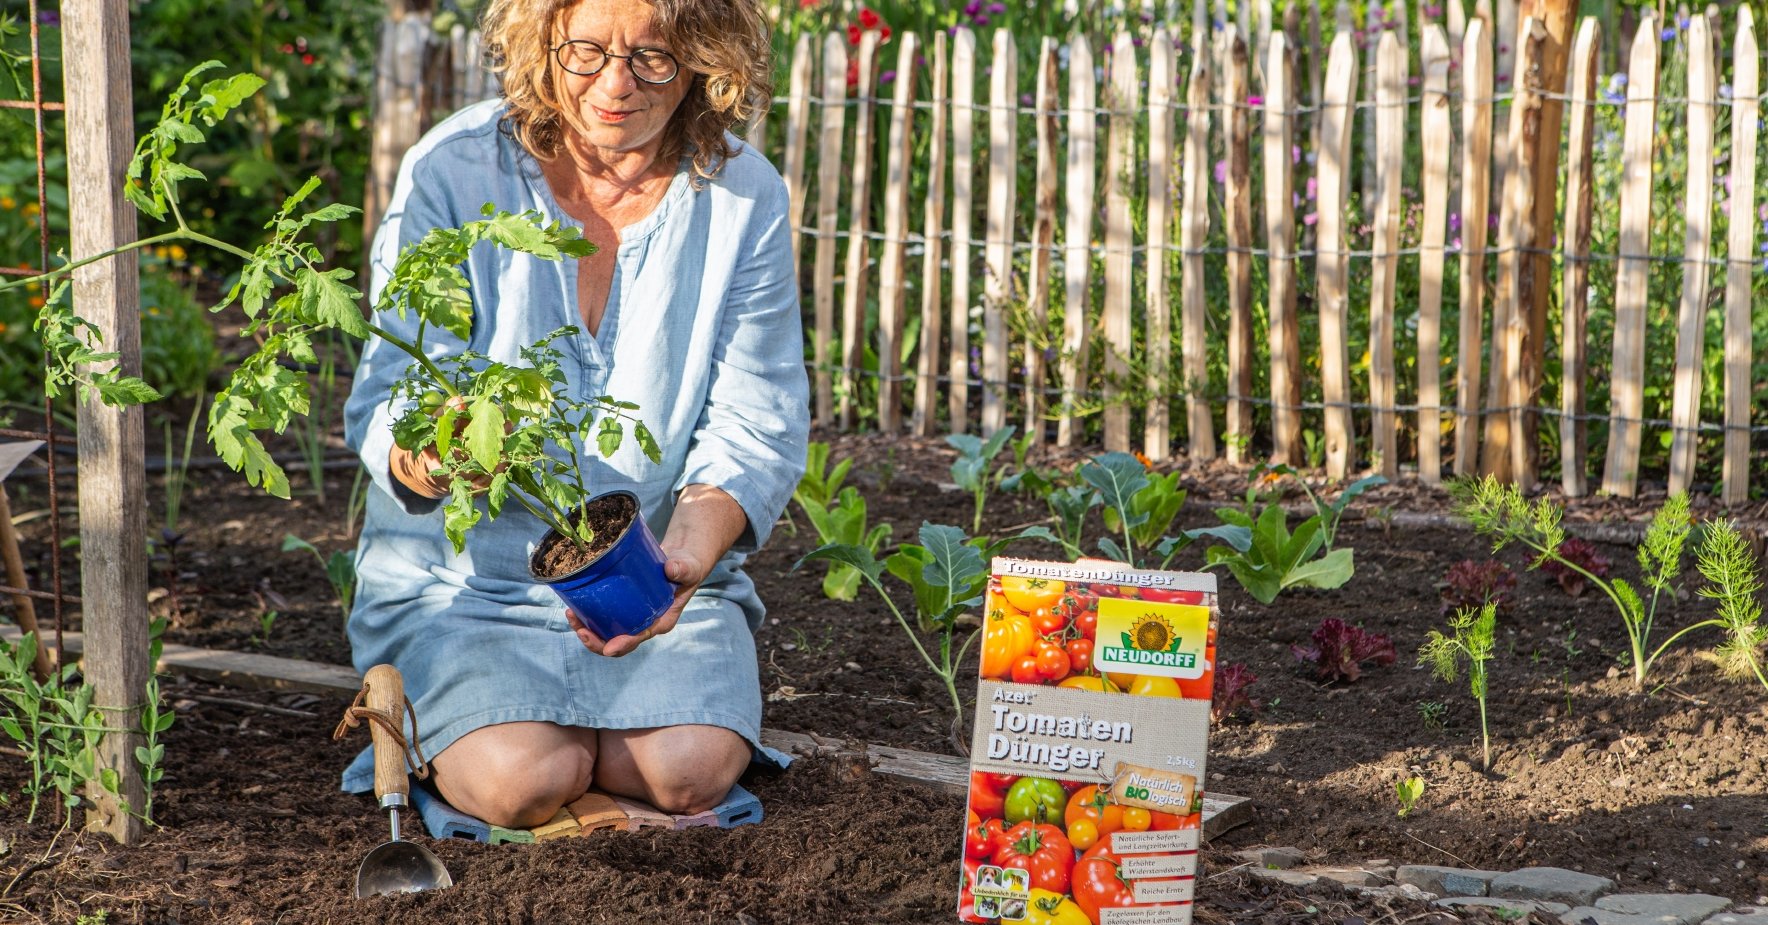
38, 107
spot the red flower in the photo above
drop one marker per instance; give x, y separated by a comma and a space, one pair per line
853, 33
868, 19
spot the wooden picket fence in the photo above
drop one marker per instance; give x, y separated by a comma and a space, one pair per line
929, 273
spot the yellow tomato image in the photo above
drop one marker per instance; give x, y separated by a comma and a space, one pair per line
1089, 682
1136, 819
1028, 594
1083, 833
1152, 686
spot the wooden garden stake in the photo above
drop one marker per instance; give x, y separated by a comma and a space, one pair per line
113, 505
1505, 455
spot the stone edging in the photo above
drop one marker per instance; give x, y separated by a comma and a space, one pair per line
1575, 898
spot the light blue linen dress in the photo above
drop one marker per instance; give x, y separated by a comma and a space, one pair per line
702, 330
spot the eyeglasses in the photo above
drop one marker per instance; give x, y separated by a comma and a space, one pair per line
586, 59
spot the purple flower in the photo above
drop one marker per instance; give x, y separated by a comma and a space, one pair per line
1455, 223
1026, 99
1682, 23
1668, 34
50, 18
972, 8
1310, 218
1221, 171
1433, 11
981, 21
887, 77
1313, 187
996, 9
1255, 100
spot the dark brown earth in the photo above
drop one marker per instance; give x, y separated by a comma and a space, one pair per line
1662, 789
608, 518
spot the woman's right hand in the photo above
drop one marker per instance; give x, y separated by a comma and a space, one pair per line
413, 470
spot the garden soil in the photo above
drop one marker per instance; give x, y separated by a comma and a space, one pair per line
1662, 789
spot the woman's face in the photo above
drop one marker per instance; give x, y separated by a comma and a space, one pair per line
617, 111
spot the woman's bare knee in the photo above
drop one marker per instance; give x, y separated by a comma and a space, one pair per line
516, 775
678, 769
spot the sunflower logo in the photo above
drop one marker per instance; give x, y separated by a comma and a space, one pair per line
1151, 633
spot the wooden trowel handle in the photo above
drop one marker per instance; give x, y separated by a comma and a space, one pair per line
386, 695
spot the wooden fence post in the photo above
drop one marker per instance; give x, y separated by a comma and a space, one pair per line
1237, 214
1003, 176
1043, 240
1741, 262
1390, 141
828, 208
1580, 178
1077, 231
859, 245
397, 112
1476, 159
1120, 153
933, 227
1157, 319
1620, 473
1435, 119
1504, 451
1284, 327
1336, 117
1193, 237
797, 126
963, 212
892, 270
113, 506
1691, 321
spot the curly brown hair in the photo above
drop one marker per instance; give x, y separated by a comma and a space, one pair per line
723, 47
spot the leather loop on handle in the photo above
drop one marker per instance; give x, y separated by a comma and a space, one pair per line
384, 691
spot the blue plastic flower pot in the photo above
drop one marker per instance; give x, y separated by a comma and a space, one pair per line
621, 592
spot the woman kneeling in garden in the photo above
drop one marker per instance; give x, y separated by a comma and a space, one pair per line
614, 116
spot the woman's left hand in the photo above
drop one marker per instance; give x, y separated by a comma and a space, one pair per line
685, 571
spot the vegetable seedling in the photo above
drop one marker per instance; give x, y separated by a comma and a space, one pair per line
1470, 639
1408, 791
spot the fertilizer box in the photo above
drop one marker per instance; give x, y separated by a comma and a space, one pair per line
1087, 754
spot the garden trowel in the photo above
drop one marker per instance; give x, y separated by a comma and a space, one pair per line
396, 866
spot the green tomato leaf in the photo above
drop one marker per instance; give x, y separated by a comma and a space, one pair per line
484, 433
223, 95
329, 302
647, 443
608, 436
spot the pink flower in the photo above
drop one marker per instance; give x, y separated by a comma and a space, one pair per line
1310, 218
1255, 101
1221, 171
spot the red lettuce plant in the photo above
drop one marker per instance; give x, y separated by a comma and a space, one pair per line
1581, 553
1340, 649
1470, 585
1231, 682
